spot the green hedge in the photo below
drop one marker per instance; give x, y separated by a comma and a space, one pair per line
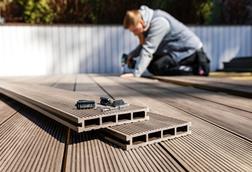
112, 11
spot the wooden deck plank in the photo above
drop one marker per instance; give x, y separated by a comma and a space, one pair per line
208, 148
83, 148
86, 85
237, 102
31, 142
8, 108
230, 74
66, 82
89, 152
243, 89
223, 80
233, 119
59, 105
158, 128
232, 152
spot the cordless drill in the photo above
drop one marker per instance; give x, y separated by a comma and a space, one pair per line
131, 64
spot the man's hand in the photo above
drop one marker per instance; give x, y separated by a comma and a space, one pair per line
127, 75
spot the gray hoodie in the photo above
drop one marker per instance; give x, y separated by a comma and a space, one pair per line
164, 35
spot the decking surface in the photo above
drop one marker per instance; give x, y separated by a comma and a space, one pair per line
220, 140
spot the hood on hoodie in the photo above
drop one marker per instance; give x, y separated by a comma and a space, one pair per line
146, 14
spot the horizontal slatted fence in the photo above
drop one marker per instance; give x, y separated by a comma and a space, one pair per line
64, 49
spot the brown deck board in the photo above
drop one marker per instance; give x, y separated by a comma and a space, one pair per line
31, 142
208, 148
87, 152
90, 152
232, 152
8, 108
158, 128
59, 105
239, 88
241, 103
233, 119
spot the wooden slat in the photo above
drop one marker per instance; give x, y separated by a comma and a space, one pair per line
85, 85
206, 144
60, 105
207, 149
66, 82
8, 108
31, 142
240, 103
225, 81
236, 88
230, 74
88, 152
158, 128
224, 116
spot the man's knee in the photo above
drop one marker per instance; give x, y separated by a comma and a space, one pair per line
159, 65
154, 69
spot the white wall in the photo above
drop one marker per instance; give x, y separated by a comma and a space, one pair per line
40, 50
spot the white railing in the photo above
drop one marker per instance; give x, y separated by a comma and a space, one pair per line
40, 50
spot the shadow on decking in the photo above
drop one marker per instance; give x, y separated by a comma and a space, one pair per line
48, 125
51, 127
89, 138
143, 88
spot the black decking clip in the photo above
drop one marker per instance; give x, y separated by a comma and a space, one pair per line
105, 101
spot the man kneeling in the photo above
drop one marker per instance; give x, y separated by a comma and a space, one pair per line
167, 47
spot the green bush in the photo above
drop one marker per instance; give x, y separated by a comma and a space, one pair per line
79, 11
112, 11
37, 11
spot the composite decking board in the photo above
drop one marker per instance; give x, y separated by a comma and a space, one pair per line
85, 84
45, 80
221, 81
215, 144
88, 152
62, 103
19, 78
237, 102
229, 74
155, 122
40, 80
232, 152
222, 115
240, 90
66, 82
225, 81
62, 100
31, 142
158, 128
109, 158
8, 108
216, 150
241, 103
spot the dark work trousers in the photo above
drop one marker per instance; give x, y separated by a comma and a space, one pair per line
198, 63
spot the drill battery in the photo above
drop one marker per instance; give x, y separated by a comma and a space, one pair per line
85, 104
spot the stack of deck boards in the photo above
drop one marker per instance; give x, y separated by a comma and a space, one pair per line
128, 127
